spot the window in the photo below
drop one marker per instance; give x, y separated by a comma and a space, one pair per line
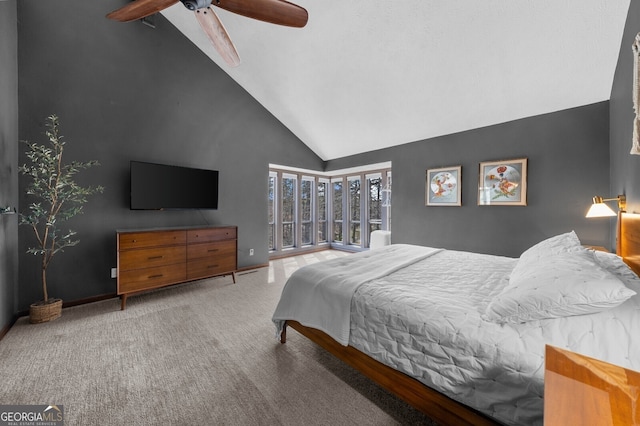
323, 203
354, 210
306, 209
374, 202
272, 210
337, 211
289, 191
386, 201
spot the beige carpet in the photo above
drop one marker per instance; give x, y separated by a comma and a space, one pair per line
202, 353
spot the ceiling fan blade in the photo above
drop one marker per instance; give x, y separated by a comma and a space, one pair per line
218, 35
274, 11
139, 9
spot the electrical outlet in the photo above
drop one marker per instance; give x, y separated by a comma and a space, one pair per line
114, 272
250, 252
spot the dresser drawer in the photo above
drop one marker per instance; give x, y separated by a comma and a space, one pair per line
142, 279
132, 240
211, 234
160, 257
152, 257
208, 267
213, 250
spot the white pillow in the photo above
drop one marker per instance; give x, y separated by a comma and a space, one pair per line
554, 286
562, 243
614, 264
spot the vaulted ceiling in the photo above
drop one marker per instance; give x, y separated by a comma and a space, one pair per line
365, 75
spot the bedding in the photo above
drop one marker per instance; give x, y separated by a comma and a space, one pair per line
319, 295
570, 283
562, 243
428, 319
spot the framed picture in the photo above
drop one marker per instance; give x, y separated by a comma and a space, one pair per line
443, 187
503, 183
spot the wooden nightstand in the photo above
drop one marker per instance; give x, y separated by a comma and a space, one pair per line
579, 390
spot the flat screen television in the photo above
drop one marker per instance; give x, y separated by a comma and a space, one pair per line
165, 187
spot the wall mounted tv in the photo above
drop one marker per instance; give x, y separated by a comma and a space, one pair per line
165, 187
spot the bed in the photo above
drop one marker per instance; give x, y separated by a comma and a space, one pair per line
461, 336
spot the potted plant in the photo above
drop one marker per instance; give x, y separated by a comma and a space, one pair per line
58, 198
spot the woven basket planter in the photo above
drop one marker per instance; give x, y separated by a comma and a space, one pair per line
40, 312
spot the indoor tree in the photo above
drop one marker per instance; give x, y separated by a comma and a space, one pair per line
57, 197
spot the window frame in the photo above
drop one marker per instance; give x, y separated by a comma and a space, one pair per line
327, 210
314, 220
354, 211
273, 205
337, 223
312, 214
294, 214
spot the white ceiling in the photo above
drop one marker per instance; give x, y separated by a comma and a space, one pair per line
364, 75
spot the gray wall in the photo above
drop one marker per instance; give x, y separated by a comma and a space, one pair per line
123, 92
8, 160
625, 168
567, 153
129, 92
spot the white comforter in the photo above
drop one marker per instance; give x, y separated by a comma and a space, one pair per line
319, 295
426, 320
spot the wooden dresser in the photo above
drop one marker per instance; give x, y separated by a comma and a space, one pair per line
153, 258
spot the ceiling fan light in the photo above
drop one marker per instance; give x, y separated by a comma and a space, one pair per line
196, 4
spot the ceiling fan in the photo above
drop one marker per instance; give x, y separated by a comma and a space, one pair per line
278, 12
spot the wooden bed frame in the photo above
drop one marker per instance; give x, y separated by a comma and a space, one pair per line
628, 240
437, 406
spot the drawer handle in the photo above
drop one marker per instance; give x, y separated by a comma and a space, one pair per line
155, 257
213, 250
212, 266
155, 276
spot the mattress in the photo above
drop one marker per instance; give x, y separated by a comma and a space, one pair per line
426, 320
